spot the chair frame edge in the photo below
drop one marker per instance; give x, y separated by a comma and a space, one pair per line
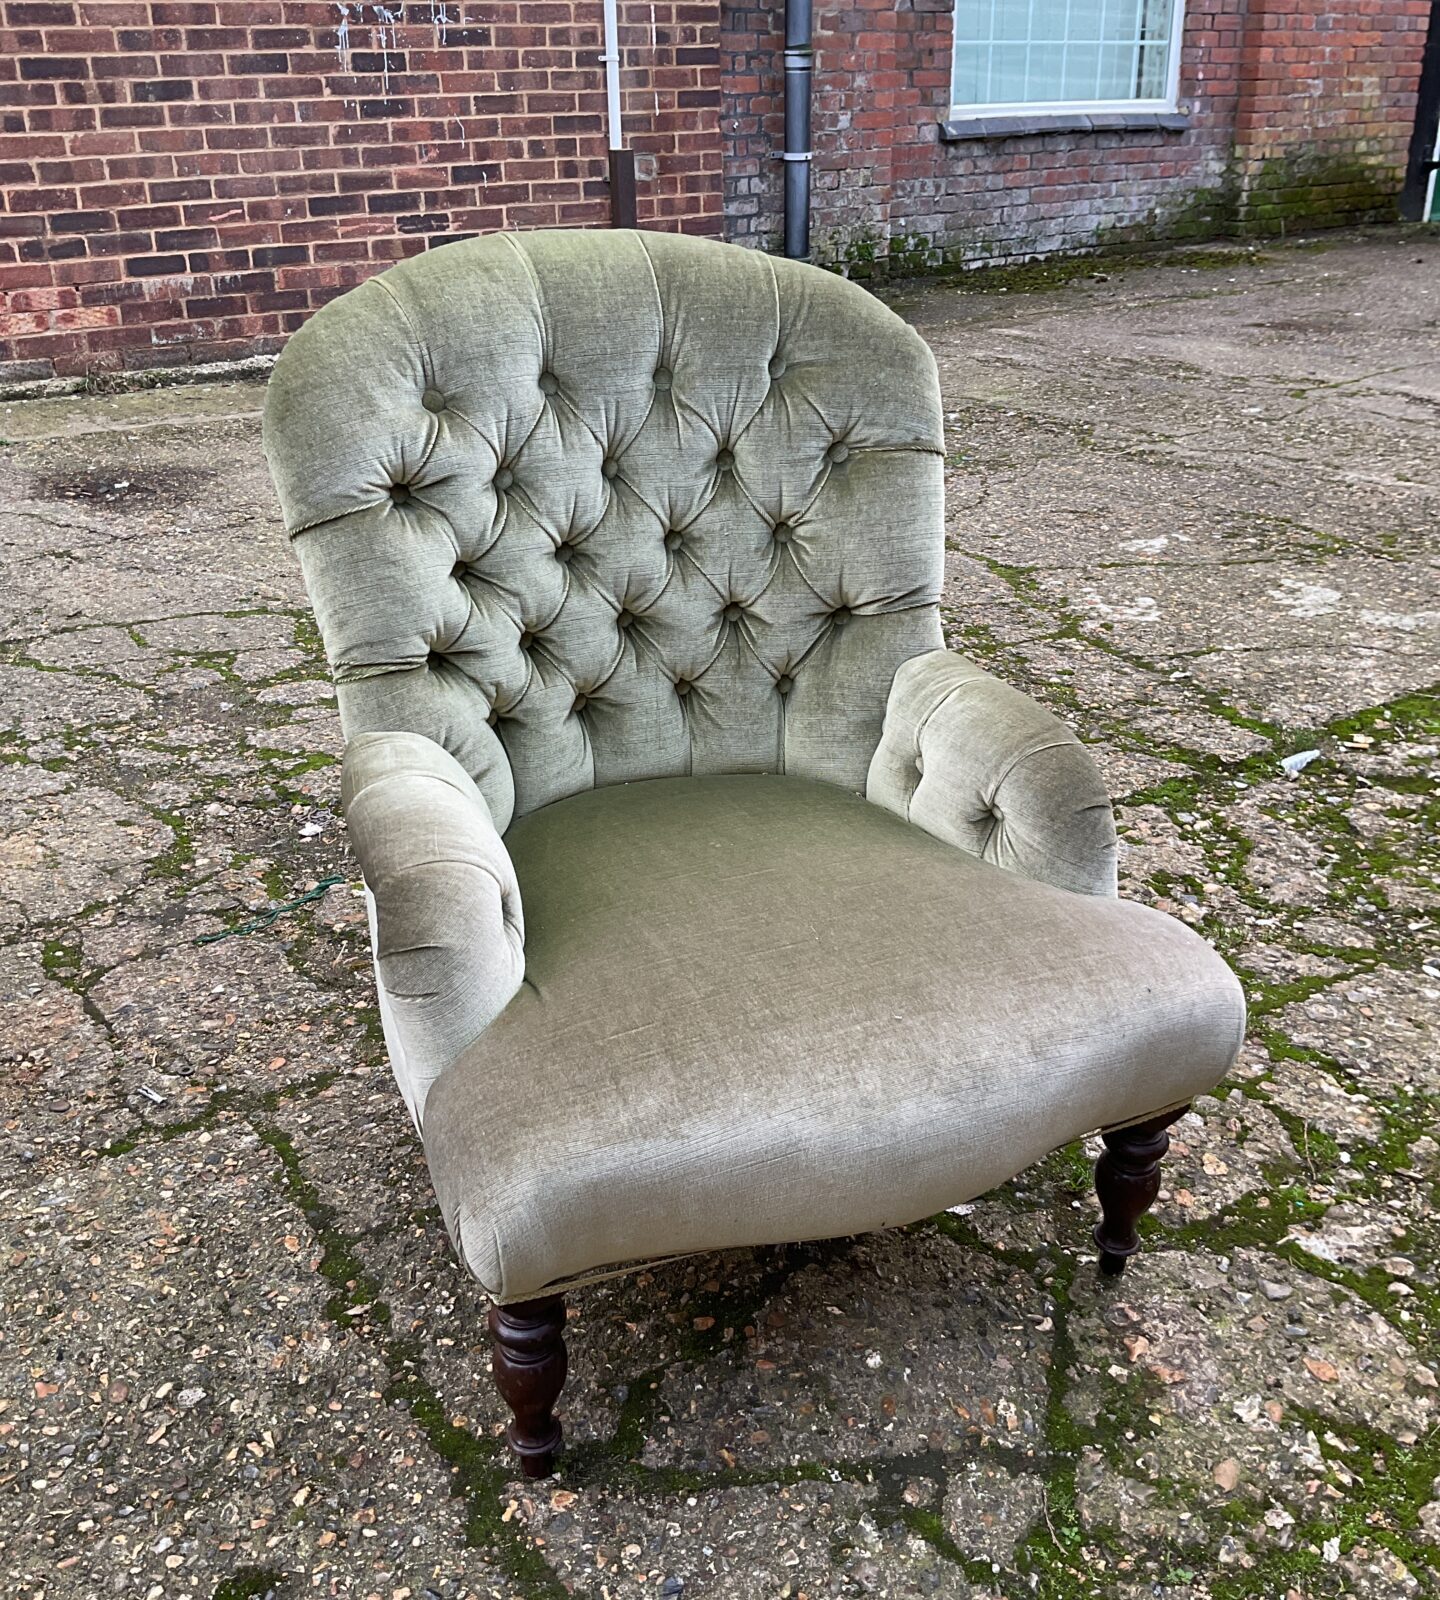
528, 1336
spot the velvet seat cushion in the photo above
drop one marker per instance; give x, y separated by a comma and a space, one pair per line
759, 1009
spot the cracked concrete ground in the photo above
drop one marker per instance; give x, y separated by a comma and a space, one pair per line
1193, 509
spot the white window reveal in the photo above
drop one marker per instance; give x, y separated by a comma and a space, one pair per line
1028, 56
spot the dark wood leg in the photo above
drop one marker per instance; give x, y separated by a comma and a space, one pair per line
528, 1341
1127, 1179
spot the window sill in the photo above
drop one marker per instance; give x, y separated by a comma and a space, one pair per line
956, 130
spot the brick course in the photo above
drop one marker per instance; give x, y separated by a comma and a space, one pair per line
187, 182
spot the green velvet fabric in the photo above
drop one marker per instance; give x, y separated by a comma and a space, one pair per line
981, 766
586, 507
446, 923
760, 1008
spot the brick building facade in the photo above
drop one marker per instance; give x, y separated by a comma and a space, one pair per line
1290, 114
186, 182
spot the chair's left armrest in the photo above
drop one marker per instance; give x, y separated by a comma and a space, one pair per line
446, 922
981, 766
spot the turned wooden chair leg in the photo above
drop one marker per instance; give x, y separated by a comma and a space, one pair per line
1127, 1179
528, 1344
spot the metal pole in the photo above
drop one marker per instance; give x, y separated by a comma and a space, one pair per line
611, 58
622, 161
799, 61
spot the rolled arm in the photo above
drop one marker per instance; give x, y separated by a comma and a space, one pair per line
445, 917
980, 765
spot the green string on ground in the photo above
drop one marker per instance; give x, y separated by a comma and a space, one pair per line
266, 918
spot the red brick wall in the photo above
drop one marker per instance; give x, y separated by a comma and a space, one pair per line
186, 182
1344, 75
1327, 107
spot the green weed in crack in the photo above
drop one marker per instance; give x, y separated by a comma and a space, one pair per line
479, 1471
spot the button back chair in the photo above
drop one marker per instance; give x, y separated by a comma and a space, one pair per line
714, 903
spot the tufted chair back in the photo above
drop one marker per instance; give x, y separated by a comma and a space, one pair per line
586, 507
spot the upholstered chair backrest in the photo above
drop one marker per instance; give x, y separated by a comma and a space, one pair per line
587, 507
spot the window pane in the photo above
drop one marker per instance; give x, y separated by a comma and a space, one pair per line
1007, 72
1156, 17
1154, 71
967, 19
1013, 17
1060, 52
1118, 72
1087, 18
1047, 63
1082, 73
1121, 22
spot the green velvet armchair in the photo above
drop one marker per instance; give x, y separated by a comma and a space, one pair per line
714, 903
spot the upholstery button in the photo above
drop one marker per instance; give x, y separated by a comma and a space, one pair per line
504, 478
782, 533
399, 494
459, 572
777, 367
527, 639
840, 616
564, 554
494, 717
609, 466
837, 452
725, 459
624, 619
433, 400
581, 701
661, 378
549, 383
433, 660
784, 683
734, 611
674, 539
683, 687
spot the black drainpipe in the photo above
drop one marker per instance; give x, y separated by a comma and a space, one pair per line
1427, 124
798, 62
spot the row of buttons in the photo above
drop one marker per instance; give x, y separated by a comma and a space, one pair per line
662, 378
781, 533
434, 401
683, 687
733, 613
724, 461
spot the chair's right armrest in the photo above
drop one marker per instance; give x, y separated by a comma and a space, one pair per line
982, 766
446, 922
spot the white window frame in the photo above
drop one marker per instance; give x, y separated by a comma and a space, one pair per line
1047, 108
